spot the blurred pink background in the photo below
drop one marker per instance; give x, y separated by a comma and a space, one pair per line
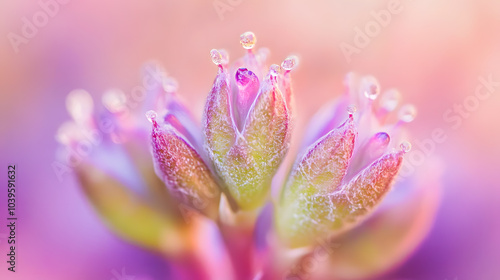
432, 51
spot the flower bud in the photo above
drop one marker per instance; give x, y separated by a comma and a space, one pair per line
319, 173
247, 160
183, 171
129, 215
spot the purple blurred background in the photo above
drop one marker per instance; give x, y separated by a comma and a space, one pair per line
432, 51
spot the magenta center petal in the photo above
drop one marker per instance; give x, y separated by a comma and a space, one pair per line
376, 147
248, 88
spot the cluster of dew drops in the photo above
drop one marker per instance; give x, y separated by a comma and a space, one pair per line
248, 40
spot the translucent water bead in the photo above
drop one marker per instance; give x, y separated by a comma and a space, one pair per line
405, 146
216, 57
248, 40
79, 105
351, 109
114, 100
370, 87
274, 70
151, 115
290, 63
407, 113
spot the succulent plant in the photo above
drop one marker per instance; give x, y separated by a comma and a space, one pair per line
169, 184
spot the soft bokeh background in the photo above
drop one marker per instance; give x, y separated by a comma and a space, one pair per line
433, 51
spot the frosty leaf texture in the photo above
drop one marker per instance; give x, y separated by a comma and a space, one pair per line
307, 213
183, 171
304, 203
340, 178
247, 156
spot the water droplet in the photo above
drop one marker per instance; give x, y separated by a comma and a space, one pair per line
248, 40
351, 109
382, 138
114, 100
274, 70
290, 62
151, 115
224, 56
390, 99
170, 85
80, 105
407, 113
377, 145
67, 132
216, 57
405, 146
370, 87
